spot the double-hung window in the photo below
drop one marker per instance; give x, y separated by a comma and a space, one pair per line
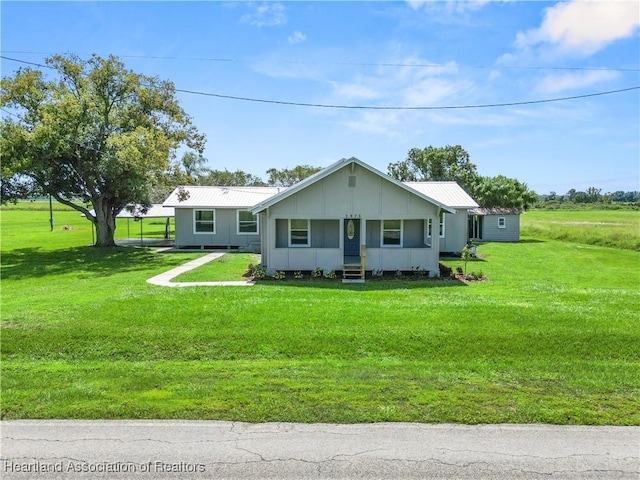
247, 223
392, 233
299, 233
441, 228
204, 221
502, 222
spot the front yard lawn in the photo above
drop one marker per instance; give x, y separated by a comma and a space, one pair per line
552, 337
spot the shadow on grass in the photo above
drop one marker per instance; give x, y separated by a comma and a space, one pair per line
369, 285
84, 261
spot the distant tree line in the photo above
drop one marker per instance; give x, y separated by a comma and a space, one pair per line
591, 195
191, 170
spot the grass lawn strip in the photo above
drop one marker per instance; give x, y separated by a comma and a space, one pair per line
227, 269
164, 279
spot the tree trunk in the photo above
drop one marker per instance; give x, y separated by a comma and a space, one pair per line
105, 223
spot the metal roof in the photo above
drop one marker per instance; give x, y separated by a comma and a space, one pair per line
496, 211
220, 197
447, 193
155, 211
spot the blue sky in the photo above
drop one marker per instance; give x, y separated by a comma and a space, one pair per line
373, 54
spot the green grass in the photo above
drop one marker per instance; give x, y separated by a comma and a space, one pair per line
551, 338
229, 267
607, 228
26, 225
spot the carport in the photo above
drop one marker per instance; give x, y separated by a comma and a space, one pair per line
138, 213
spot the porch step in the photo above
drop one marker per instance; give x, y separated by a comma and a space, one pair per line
353, 271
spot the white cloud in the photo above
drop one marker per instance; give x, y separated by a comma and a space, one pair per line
451, 6
296, 37
354, 90
266, 15
408, 86
583, 27
568, 81
376, 123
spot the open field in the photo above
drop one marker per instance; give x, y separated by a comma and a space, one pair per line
607, 228
552, 338
27, 224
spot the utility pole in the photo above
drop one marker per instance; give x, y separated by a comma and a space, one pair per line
50, 213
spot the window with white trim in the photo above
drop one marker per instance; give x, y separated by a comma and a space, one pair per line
502, 222
391, 233
441, 227
204, 221
247, 223
299, 233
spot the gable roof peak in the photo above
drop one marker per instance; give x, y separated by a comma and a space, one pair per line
334, 168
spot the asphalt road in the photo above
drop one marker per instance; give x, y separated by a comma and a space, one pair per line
220, 450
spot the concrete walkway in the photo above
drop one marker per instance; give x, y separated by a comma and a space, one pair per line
153, 449
164, 279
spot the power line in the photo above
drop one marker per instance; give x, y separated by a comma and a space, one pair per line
363, 64
441, 107
374, 107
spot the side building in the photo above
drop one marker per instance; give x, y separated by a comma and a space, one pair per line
218, 217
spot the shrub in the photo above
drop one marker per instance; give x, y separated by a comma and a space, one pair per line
279, 275
445, 271
298, 275
330, 274
251, 268
259, 273
255, 271
419, 271
459, 270
317, 272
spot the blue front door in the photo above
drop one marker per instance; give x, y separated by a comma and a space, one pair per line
352, 237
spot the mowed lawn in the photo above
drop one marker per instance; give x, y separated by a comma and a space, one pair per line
552, 337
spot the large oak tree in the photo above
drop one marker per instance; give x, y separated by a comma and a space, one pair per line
94, 132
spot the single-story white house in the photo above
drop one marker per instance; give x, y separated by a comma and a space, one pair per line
346, 214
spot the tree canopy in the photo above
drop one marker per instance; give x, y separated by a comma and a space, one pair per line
450, 163
501, 191
287, 177
227, 178
96, 132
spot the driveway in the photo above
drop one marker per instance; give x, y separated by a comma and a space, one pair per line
228, 450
